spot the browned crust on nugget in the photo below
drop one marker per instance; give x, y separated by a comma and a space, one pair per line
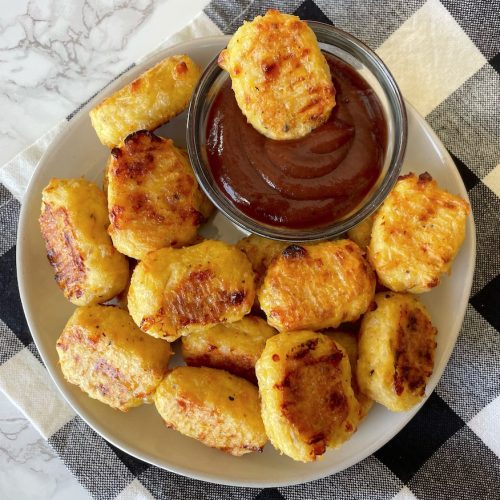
309, 421
239, 365
187, 303
414, 351
154, 200
416, 234
317, 286
62, 250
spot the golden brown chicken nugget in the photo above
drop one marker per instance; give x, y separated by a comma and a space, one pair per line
214, 407
317, 286
74, 222
416, 234
151, 100
234, 347
154, 200
349, 342
397, 342
260, 252
307, 400
102, 351
280, 78
174, 292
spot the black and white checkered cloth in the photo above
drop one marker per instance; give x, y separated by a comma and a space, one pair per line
446, 56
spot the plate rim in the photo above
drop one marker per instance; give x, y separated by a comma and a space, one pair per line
20, 250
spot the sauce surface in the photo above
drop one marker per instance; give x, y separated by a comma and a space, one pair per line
308, 182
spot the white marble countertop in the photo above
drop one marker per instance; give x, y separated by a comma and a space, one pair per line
55, 54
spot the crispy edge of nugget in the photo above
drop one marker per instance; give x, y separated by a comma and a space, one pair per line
317, 286
308, 403
154, 200
274, 59
214, 407
396, 351
73, 224
349, 342
234, 347
152, 99
174, 292
416, 234
102, 351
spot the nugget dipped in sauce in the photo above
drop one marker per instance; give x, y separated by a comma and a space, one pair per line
280, 78
154, 200
73, 221
416, 234
308, 403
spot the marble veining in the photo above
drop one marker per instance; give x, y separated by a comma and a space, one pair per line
54, 54
29, 468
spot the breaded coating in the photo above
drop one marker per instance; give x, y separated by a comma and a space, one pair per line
317, 286
234, 347
396, 346
307, 400
214, 407
154, 200
149, 101
349, 342
416, 234
174, 292
73, 221
362, 233
280, 78
102, 351
260, 252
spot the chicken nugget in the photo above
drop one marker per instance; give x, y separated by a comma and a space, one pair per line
317, 286
280, 78
396, 346
307, 400
102, 351
74, 222
349, 342
154, 200
214, 407
174, 292
260, 252
234, 347
416, 234
362, 233
149, 101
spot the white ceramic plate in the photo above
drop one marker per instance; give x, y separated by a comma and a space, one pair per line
77, 152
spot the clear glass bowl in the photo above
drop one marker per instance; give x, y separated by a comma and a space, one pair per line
373, 70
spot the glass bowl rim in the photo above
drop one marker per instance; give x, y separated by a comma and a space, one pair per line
335, 37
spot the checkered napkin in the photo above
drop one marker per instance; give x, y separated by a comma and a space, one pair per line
446, 57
